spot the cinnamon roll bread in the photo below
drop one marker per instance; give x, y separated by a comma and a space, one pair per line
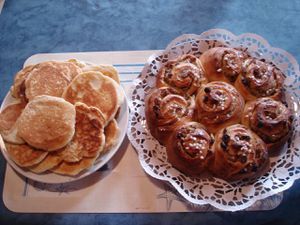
238, 154
165, 109
223, 64
218, 104
259, 79
189, 148
269, 119
195, 99
185, 74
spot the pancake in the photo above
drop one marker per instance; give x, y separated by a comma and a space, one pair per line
89, 139
70, 70
111, 132
51, 160
50, 78
78, 63
12, 136
47, 123
18, 88
25, 155
95, 89
45, 79
9, 115
105, 69
118, 113
72, 169
8, 118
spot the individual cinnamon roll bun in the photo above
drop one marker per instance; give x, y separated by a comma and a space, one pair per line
218, 104
165, 109
223, 64
259, 79
239, 153
269, 119
189, 148
184, 74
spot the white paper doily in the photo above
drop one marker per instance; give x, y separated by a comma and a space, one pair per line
285, 169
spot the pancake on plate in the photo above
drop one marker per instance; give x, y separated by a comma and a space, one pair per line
50, 78
18, 89
89, 139
64, 118
111, 132
95, 89
8, 118
105, 69
74, 168
49, 162
47, 123
67, 69
24, 155
70, 70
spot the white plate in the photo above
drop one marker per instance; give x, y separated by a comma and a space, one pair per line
50, 177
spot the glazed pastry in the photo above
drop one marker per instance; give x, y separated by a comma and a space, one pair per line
185, 74
165, 109
239, 154
259, 79
269, 119
218, 104
223, 64
189, 148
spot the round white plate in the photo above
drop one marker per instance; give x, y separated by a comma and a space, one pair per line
53, 178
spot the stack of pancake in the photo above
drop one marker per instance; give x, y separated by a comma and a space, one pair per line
63, 116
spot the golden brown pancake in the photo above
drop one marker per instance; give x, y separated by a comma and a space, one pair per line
42, 72
12, 136
89, 139
25, 155
77, 63
72, 169
111, 132
95, 89
18, 89
8, 118
105, 69
69, 69
9, 115
46, 79
51, 160
47, 123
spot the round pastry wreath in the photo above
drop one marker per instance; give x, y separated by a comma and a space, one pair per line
197, 111
232, 196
